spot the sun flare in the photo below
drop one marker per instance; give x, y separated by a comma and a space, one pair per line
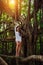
11, 3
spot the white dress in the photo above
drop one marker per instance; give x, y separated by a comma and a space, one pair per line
17, 36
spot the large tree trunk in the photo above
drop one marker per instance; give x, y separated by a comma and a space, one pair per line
41, 35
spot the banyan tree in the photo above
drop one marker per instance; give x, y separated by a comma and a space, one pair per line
29, 14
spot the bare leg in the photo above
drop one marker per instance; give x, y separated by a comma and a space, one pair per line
18, 48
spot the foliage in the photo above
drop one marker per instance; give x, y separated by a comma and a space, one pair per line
5, 17
24, 9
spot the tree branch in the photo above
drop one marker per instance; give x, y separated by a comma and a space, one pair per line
7, 39
2, 62
32, 57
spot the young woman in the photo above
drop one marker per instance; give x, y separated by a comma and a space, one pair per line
18, 39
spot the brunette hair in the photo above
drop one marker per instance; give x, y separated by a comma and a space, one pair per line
17, 27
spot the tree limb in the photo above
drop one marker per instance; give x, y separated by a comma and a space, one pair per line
2, 62
7, 39
34, 57
31, 57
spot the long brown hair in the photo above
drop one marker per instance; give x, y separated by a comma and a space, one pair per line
19, 29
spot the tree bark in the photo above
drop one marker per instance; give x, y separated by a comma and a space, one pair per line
2, 62
29, 58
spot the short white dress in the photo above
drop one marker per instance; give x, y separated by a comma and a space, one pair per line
17, 36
